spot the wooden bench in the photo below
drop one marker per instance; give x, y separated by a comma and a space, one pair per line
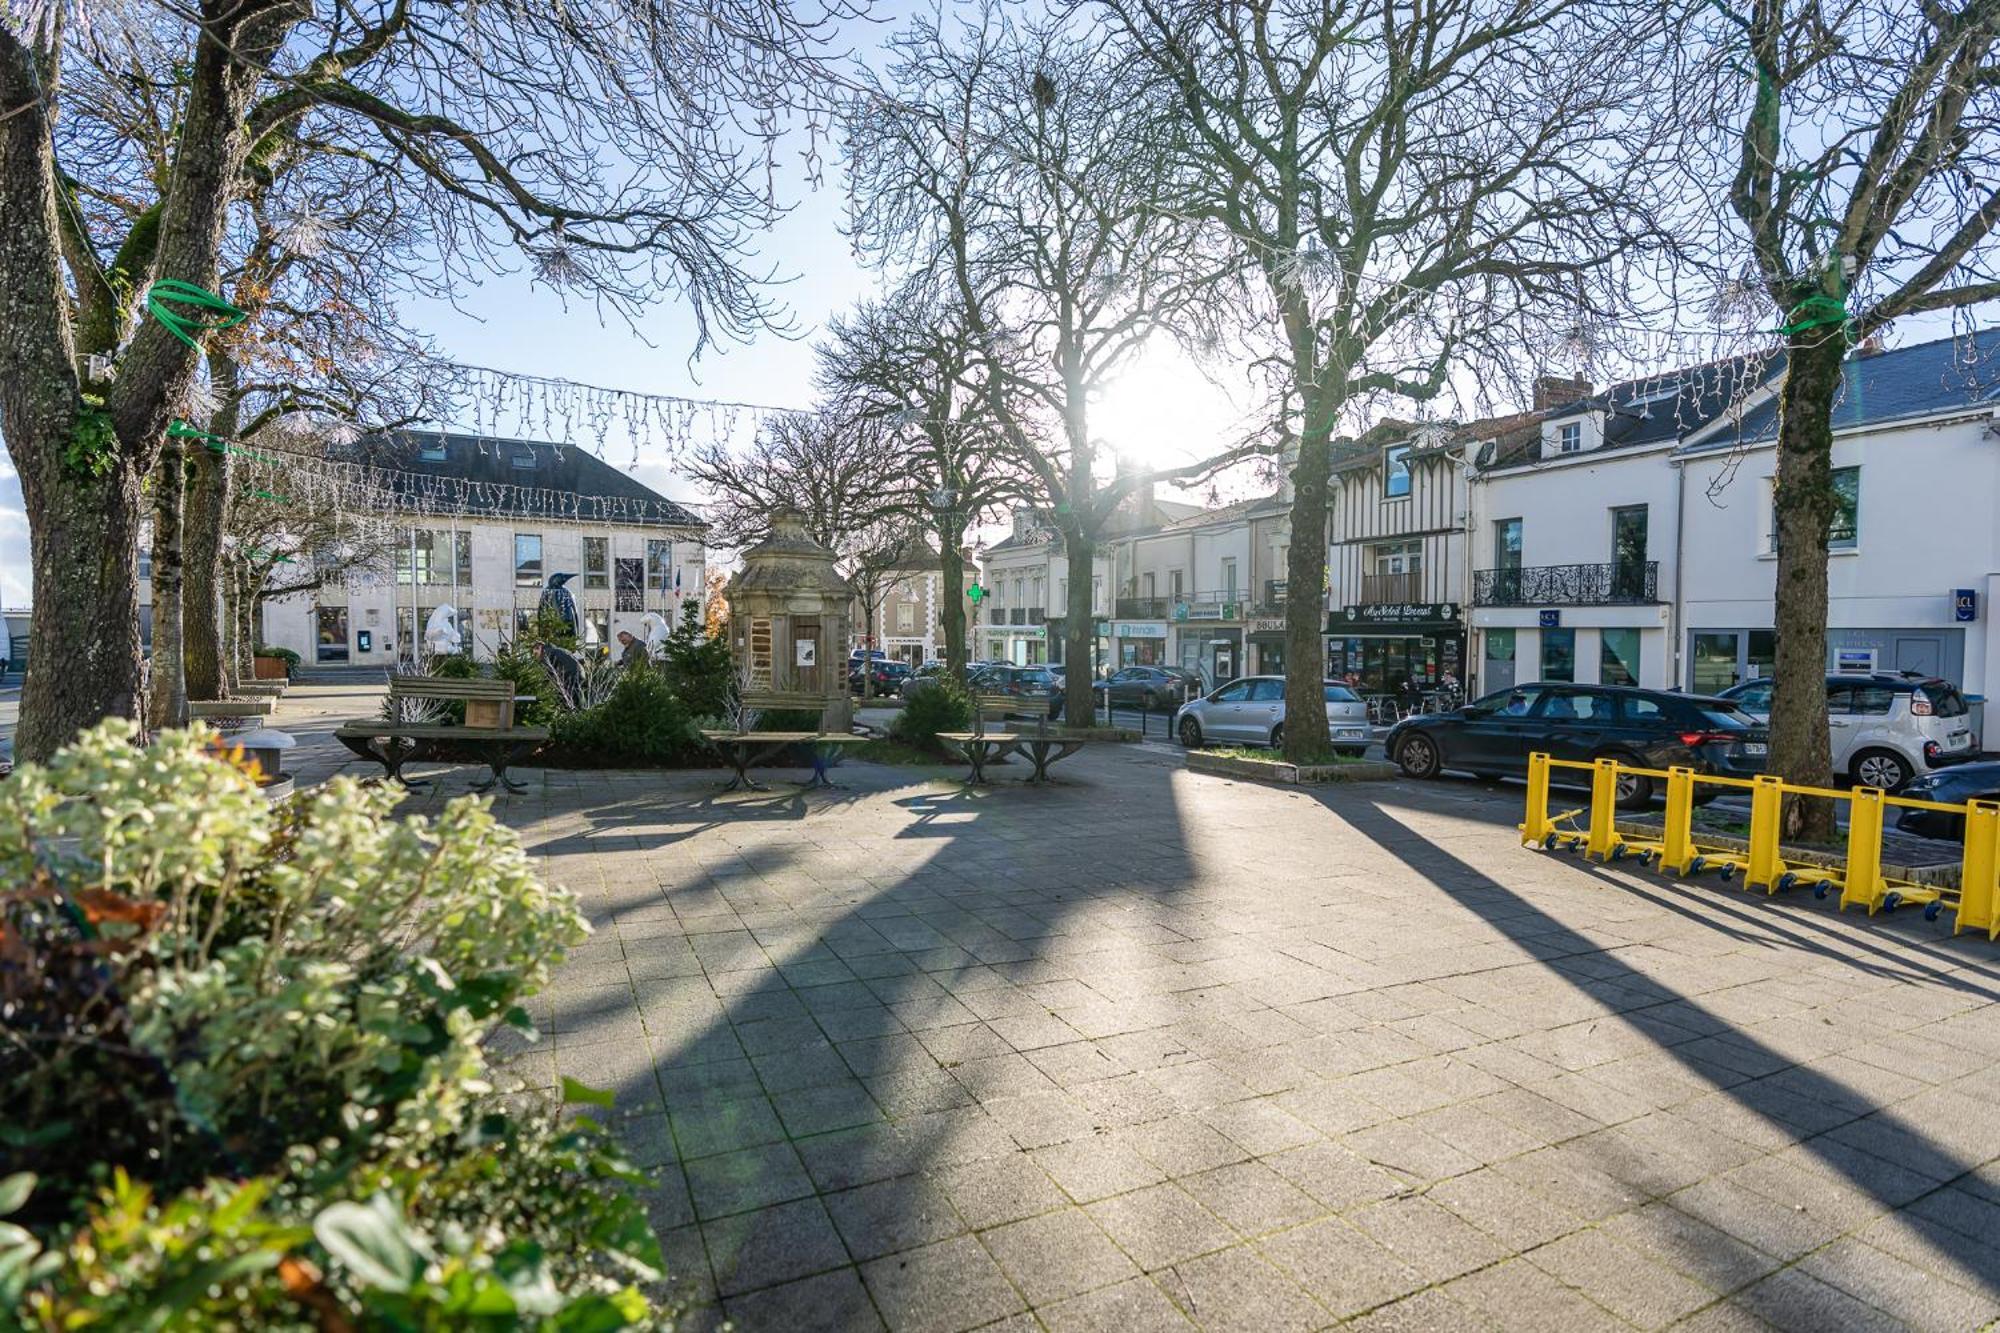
741, 749
488, 728
1044, 743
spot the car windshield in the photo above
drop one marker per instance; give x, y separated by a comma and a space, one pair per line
1340, 694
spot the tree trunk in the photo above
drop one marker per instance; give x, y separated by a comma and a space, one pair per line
83, 639
1801, 749
952, 608
203, 590
243, 639
1306, 737
868, 642
168, 685
1079, 630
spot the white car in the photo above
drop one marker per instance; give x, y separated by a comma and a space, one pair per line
1887, 727
1251, 711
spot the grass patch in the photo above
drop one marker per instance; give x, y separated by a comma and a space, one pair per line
1259, 754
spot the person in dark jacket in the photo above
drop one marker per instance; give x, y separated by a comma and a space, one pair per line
631, 652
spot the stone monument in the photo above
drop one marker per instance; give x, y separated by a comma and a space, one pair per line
788, 614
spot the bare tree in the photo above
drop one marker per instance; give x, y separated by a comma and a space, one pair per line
1868, 186
1023, 168
497, 117
875, 556
836, 471
1398, 184
909, 364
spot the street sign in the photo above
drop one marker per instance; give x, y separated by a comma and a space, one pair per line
1964, 604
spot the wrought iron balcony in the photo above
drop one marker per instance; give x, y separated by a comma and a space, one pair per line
1144, 608
1392, 589
1615, 583
1274, 598
996, 615
1018, 616
1035, 616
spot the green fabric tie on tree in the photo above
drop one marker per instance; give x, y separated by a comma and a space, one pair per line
210, 312
1817, 311
181, 430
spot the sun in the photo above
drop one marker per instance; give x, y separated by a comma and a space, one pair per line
1163, 411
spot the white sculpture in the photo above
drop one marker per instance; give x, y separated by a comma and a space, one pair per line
654, 630
441, 634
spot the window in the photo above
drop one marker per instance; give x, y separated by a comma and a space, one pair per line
1618, 660
1510, 703
524, 621
527, 560
1844, 531
1756, 696
1395, 471
1234, 693
1507, 543
906, 618
415, 557
659, 564
462, 559
432, 451
524, 460
1266, 691
1229, 580
596, 562
1146, 586
145, 563
1398, 558
1174, 584
1062, 591
1576, 706
1558, 654
599, 620
1628, 553
1569, 438
1643, 711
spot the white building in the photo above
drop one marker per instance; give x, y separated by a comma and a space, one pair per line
487, 523
909, 610
1914, 563
1630, 538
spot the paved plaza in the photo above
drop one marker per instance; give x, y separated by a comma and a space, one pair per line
1151, 1049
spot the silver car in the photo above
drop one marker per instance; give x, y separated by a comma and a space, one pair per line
1251, 711
1886, 727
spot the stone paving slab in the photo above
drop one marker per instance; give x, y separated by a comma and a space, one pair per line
1149, 1049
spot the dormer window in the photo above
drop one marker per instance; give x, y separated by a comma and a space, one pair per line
1569, 437
524, 460
1395, 471
432, 452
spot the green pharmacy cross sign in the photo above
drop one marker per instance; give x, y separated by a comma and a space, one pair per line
976, 593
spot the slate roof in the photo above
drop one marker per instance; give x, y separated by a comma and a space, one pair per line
499, 488
1881, 387
1655, 409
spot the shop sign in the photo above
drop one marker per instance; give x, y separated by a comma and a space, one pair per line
1549, 619
1140, 629
1394, 613
1268, 625
1964, 604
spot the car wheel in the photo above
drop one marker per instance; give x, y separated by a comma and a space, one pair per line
1635, 790
1880, 768
1418, 755
1190, 733
1278, 736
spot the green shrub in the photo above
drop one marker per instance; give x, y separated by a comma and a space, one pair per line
516, 662
698, 666
644, 721
943, 706
244, 1075
454, 666
285, 655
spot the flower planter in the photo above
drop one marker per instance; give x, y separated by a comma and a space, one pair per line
269, 668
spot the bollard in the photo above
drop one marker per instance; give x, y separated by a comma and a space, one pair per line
1603, 810
1977, 889
1677, 846
1865, 884
1767, 803
1536, 831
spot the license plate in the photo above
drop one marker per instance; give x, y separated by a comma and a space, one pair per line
1349, 733
1958, 740
1753, 747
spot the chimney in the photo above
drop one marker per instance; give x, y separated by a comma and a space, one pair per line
1870, 346
1559, 390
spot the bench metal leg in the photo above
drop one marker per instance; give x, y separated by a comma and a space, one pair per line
822, 761
501, 755
739, 758
392, 752
1040, 753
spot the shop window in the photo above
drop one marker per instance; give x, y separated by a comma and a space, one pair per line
1558, 654
1618, 662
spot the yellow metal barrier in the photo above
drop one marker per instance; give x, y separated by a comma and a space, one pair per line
1677, 852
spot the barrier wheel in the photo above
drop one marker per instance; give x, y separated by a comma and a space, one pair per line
1728, 873
1892, 901
1932, 908
1647, 858
1786, 881
1696, 866
1821, 889
1576, 844
1618, 852
1549, 842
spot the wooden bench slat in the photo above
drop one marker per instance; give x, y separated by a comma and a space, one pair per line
428, 731
435, 687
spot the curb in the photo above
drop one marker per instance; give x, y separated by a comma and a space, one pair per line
1277, 770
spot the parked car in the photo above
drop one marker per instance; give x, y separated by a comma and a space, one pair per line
1251, 710
1159, 688
888, 676
1494, 735
921, 679
1887, 728
1032, 685
1978, 780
